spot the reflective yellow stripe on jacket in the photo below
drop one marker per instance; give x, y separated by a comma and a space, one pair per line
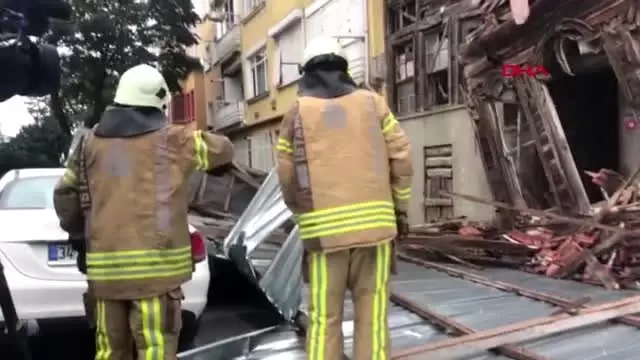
388, 123
69, 177
345, 219
202, 159
138, 264
402, 193
284, 146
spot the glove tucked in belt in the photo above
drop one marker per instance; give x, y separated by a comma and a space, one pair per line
78, 244
402, 224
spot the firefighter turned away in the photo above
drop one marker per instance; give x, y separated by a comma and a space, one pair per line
344, 165
123, 200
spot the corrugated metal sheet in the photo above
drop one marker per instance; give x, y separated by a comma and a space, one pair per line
479, 307
248, 245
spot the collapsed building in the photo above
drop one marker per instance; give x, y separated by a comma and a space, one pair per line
534, 135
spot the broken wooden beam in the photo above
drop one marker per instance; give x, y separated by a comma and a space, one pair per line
470, 345
511, 351
544, 16
535, 212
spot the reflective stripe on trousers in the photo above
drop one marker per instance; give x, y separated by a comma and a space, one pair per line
103, 345
365, 271
139, 264
146, 323
344, 219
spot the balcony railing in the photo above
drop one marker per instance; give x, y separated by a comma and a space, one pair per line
229, 113
227, 45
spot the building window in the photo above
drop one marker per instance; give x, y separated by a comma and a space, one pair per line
437, 62
405, 71
438, 173
258, 74
250, 5
405, 66
228, 19
183, 108
178, 108
404, 15
290, 47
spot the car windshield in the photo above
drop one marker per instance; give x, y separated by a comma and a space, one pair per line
29, 193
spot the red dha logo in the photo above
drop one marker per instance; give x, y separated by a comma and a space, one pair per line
513, 70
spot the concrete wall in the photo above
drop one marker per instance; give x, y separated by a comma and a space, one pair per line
449, 126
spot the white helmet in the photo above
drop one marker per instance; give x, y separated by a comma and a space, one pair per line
142, 85
322, 45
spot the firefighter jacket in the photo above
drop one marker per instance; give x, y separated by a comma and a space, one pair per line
344, 164
137, 167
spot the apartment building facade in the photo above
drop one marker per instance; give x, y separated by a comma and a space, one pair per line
191, 104
258, 49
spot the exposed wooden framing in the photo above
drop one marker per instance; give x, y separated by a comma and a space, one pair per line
613, 24
500, 41
391, 60
431, 17
469, 345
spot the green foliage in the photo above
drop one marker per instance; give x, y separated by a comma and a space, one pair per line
103, 40
106, 38
41, 144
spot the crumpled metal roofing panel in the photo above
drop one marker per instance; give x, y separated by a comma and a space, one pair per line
480, 308
248, 243
477, 306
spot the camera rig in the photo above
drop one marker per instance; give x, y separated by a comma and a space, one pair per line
27, 66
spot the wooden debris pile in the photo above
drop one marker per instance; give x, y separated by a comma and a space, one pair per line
602, 249
216, 202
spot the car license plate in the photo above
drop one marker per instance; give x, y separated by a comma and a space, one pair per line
62, 254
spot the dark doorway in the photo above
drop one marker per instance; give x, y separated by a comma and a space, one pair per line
587, 105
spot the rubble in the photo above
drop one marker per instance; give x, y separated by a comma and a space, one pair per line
216, 202
603, 249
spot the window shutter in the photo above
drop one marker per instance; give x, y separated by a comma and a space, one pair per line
248, 80
276, 67
192, 105
185, 102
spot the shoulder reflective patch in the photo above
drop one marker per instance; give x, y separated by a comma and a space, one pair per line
201, 149
117, 162
388, 123
284, 145
69, 177
334, 115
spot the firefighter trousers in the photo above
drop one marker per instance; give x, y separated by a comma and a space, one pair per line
151, 326
365, 273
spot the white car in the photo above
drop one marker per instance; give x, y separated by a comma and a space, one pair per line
40, 265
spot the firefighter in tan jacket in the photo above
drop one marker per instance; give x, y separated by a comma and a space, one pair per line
138, 252
344, 165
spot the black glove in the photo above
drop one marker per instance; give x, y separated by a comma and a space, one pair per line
402, 224
79, 245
